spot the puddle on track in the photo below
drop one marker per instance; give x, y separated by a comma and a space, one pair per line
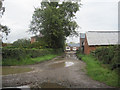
71, 56
26, 87
51, 85
61, 64
67, 64
14, 70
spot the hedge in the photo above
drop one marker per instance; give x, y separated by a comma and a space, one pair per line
108, 55
22, 53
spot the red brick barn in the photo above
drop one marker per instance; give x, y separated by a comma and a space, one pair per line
94, 39
34, 38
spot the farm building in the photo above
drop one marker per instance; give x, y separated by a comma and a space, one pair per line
82, 39
72, 46
34, 38
94, 39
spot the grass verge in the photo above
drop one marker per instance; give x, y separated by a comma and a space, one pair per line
27, 61
99, 73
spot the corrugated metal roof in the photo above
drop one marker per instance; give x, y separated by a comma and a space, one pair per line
74, 44
102, 37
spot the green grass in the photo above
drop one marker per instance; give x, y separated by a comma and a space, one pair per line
99, 73
27, 61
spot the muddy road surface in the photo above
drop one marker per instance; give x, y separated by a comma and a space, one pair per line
66, 71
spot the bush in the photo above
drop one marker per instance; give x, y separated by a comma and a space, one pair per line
20, 53
108, 55
27, 61
21, 43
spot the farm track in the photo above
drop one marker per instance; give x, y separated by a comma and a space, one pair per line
66, 71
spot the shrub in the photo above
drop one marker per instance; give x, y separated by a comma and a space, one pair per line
21, 43
20, 53
108, 55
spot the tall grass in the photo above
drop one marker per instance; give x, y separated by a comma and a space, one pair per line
97, 72
26, 61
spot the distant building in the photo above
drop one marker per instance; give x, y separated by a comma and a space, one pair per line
94, 39
34, 38
72, 46
82, 39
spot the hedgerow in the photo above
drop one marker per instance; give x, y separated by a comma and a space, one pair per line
22, 53
108, 55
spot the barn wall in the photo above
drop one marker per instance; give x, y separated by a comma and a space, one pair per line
88, 49
91, 48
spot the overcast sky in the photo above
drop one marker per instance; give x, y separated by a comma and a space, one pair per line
93, 15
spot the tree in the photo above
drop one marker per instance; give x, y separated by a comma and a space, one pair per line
3, 28
2, 9
21, 43
55, 21
71, 42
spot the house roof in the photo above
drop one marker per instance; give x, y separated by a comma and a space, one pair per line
74, 44
102, 37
